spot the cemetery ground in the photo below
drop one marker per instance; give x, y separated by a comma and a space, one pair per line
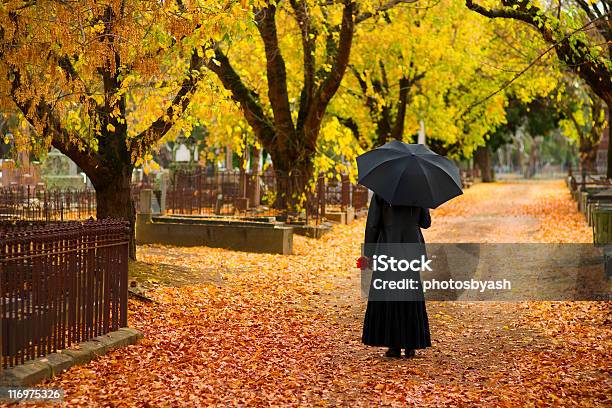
232, 328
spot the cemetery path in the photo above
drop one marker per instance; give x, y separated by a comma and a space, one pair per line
514, 211
285, 330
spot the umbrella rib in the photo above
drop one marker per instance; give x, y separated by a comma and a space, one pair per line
440, 167
428, 182
399, 179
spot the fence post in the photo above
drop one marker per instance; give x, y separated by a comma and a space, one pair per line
345, 202
321, 195
163, 185
123, 284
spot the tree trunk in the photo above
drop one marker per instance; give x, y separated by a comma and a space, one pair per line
587, 155
400, 117
114, 199
482, 157
589, 161
292, 173
383, 125
532, 163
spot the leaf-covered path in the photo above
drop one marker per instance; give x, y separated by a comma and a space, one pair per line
259, 329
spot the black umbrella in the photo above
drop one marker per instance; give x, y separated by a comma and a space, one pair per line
409, 174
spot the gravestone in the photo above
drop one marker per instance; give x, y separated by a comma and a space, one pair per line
59, 171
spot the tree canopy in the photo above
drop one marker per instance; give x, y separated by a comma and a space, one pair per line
104, 81
579, 32
313, 83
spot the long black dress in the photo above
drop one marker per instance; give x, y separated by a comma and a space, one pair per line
398, 324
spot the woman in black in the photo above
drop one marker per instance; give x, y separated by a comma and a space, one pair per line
396, 324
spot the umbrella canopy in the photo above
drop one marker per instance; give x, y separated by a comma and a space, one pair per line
409, 174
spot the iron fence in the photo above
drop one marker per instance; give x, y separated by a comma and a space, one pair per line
61, 283
201, 191
337, 193
198, 190
205, 191
341, 193
36, 203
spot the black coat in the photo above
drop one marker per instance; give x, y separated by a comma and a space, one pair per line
395, 324
397, 223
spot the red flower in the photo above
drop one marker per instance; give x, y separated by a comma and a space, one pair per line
363, 262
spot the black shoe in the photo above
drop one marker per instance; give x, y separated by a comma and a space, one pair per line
410, 353
393, 352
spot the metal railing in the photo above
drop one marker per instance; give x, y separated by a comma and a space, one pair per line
198, 190
201, 191
61, 283
207, 192
342, 194
39, 204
